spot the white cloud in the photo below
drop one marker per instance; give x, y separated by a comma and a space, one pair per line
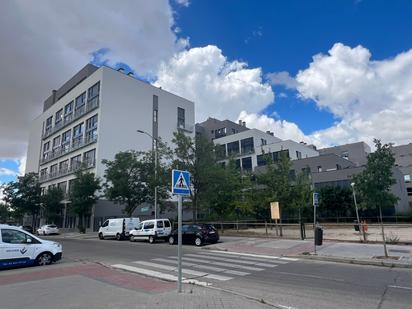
7, 172
185, 3
22, 165
282, 79
281, 128
45, 42
373, 98
219, 87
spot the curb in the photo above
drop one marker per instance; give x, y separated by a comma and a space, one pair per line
353, 261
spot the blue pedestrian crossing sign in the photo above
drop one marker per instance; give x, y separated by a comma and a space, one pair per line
180, 182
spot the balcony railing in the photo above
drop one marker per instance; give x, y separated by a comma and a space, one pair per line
67, 148
67, 171
68, 119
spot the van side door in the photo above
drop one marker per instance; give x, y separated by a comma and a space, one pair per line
17, 248
160, 228
168, 228
104, 227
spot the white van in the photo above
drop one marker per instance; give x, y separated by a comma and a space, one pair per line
118, 228
152, 230
18, 247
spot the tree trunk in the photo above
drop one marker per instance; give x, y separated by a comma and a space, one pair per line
383, 232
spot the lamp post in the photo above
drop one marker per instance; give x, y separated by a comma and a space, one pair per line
356, 207
155, 141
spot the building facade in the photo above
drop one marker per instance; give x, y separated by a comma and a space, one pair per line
94, 116
403, 160
213, 128
355, 152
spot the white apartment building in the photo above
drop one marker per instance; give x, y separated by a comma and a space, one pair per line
92, 117
250, 147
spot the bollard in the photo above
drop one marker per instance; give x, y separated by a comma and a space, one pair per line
266, 228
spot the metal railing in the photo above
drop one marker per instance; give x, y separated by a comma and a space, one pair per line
68, 119
67, 171
67, 148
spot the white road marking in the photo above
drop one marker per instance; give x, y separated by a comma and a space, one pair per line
400, 287
247, 258
257, 255
184, 271
219, 258
158, 275
219, 263
206, 267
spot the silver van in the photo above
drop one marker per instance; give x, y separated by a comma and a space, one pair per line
152, 230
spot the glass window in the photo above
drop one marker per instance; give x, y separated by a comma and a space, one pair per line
64, 166
43, 172
68, 110
263, 159
66, 137
80, 101
298, 155
89, 157
220, 151
75, 162
279, 154
247, 163
46, 147
78, 130
49, 122
62, 186
59, 117
319, 168
292, 175
93, 91
149, 225
180, 117
160, 224
407, 178
263, 142
56, 142
91, 123
167, 223
246, 145
14, 237
105, 223
53, 170
233, 148
409, 190
155, 115
237, 163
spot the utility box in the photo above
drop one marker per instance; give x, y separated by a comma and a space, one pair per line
318, 236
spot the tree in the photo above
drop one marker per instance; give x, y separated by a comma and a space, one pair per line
24, 196
4, 213
83, 195
126, 180
301, 194
52, 206
335, 201
375, 182
199, 158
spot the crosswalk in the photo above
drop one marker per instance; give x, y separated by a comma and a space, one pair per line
204, 268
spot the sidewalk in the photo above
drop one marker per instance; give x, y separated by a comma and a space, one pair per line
355, 253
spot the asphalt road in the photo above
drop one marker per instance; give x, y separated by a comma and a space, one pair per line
293, 284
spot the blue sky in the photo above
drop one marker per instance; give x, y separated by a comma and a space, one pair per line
345, 94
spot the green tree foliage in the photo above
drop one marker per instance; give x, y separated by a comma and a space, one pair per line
24, 196
375, 182
198, 157
335, 202
301, 195
126, 182
52, 206
5, 214
83, 195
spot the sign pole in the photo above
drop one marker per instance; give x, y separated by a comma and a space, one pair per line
179, 242
315, 205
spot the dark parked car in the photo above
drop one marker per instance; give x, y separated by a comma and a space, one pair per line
197, 234
27, 228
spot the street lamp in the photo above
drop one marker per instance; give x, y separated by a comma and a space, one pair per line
356, 207
155, 141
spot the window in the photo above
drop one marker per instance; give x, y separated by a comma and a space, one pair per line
66, 140
89, 157
93, 95
105, 223
409, 190
237, 164
68, 111
59, 117
292, 175
77, 134
56, 142
43, 172
80, 102
246, 145
306, 170
155, 115
234, 131
91, 128
278, 155
149, 225
62, 186
319, 168
233, 148
180, 118
298, 155
247, 164
263, 159
167, 223
75, 162
49, 122
53, 170
407, 178
220, 151
263, 142
16, 237
46, 148
160, 224
64, 166
338, 167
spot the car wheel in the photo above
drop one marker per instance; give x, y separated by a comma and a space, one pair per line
44, 233
44, 259
198, 241
101, 236
132, 238
152, 239
118, 236
171, 240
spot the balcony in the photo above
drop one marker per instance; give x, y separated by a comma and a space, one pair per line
67, 171
68, 119
67, 148
185, 127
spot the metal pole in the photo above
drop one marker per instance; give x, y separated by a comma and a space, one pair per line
314, 226
179, 243
356, 209
155, 197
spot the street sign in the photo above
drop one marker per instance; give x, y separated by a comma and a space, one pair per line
274, 210
180, 182
315, 199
